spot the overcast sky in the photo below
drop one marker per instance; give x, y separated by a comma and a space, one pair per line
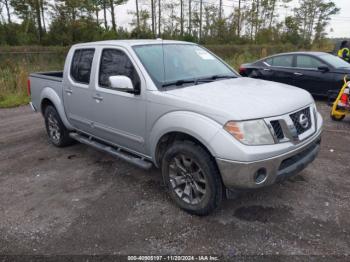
339, 25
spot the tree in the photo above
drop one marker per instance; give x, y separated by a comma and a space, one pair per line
314, 15
104, 7
182, 17
159, 18
239, 18
326, 10
112, 4
200, 19
153, 17
291, 34
190, 17
137, 15
95, 6
7, 7
29, 11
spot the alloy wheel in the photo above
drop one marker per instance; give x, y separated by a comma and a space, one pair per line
187, 179
54, 129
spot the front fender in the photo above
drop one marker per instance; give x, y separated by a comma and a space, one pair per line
51, 95
198, 126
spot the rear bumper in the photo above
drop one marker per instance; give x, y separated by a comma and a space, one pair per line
249, 175
32, 106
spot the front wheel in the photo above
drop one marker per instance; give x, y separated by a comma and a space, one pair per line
192, 178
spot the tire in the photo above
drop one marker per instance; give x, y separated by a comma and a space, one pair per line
57, 132
192, 178
337, 118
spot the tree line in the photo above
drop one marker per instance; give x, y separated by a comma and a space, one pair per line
64, 22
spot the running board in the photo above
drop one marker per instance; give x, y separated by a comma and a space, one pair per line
137, 161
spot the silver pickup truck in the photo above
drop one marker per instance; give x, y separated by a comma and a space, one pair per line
177, 106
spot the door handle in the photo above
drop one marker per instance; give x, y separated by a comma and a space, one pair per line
298, 74
98, 98
267, 69
69, 91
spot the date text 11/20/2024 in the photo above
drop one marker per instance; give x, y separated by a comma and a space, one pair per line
173, 258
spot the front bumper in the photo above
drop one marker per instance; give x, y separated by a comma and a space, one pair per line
249, 175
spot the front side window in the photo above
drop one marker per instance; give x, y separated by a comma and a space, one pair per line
81, 65
167, 63
115, 62
282, 61
305, 61
335, 61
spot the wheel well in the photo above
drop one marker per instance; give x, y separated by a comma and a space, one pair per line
44, 104
168, 139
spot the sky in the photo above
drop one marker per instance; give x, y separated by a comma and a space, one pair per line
339, 25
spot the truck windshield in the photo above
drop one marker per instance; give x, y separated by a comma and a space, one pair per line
180, 64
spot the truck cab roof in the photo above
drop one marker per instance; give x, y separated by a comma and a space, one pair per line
128, 43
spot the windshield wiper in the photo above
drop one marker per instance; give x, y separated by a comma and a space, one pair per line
215, 77
196, 81
180, 82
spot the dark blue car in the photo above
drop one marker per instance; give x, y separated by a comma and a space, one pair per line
317, 72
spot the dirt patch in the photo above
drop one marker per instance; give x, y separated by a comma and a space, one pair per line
262, 213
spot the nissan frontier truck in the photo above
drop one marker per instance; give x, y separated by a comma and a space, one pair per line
177, 106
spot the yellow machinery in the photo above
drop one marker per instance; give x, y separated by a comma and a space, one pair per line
341, 106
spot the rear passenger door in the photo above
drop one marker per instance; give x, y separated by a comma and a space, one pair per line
77, 90
119, 117
282, 69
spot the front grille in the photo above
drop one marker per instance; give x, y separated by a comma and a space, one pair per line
277, 129
296, 118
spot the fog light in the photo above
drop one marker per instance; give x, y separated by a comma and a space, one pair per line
260, 176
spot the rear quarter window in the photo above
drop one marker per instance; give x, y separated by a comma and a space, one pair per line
81, 65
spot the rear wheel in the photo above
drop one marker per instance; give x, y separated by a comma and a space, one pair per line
192, 178
57, 132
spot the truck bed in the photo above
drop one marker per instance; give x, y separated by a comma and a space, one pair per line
54, 75
52, 81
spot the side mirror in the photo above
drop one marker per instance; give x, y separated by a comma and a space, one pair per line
121, 83
323, 69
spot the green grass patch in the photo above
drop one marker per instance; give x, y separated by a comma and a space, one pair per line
13, 100
15, 66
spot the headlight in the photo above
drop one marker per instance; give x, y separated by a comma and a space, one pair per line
252, 133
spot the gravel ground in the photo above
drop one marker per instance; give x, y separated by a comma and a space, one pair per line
77, 200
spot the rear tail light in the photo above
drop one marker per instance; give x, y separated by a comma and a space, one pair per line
242, 70
28, 87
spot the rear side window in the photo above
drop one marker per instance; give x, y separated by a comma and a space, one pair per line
283, 61
115, 62
305, 61
81, 65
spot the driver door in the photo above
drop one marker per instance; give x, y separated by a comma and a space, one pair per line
119, 117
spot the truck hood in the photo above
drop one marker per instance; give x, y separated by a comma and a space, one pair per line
244, 98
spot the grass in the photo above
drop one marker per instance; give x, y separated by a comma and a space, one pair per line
15, 66
13, 100
16, 63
